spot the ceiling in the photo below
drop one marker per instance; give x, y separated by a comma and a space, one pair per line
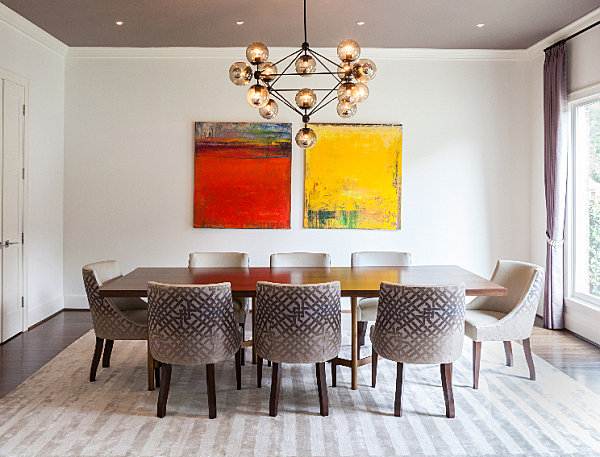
443, 24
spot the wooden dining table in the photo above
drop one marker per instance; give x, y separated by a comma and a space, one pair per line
356, 282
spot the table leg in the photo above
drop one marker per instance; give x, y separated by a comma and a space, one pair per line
354, 347
253, 327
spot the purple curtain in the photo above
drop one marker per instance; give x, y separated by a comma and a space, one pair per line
555, 179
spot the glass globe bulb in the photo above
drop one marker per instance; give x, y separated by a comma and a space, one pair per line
306, 138
305, 65
346, 110
344, 70
270, 110
240, 73
267, 70
348, 50
257, 53
257, 96
363, 92
306, 98
348, 93
364, 70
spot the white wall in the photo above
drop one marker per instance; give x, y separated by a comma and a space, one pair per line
129, 160
39, 58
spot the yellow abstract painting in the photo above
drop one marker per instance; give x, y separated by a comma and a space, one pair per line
353, 177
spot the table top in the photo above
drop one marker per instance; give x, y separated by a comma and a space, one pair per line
355, 281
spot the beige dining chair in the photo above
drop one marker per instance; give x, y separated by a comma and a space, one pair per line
192, 325
114, 318
506, 318
297, 324
226, 260
421, 325
300, 259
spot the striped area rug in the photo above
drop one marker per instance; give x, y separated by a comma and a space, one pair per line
57, 412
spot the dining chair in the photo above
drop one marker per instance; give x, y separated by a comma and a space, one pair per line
192, 325
226, 260
300, 259
506, 318
420, 325
297, 324
114, 318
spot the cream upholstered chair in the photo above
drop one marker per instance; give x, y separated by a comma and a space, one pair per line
506, 318
192, 325
226, 260
300, 259
423, 325
297, 324
115, 318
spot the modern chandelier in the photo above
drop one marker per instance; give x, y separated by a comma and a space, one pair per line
350, 77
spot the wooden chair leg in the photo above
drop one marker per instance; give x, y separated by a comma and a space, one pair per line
399, 387
151, 369
268, 363
322, 386
275, 385
361, 332
374, 357
211, 390
107, 352
446, 372
243, 350
259, 364
476, 363
238, 369
333, 373
509, 353
163, 394
96, 358
529, 358
156, 365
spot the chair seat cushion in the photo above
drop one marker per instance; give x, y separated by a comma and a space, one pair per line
127, 303
239, 311
367, 309
137, 316
480, 324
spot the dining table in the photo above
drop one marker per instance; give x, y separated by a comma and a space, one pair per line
356, 283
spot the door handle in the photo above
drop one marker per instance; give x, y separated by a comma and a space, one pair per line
8, 243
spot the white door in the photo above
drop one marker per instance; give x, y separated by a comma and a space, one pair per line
11, 268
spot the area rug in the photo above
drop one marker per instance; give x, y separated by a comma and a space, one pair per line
58, 412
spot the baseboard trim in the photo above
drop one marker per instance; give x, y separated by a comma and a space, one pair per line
47, 309
76, 302
46, 319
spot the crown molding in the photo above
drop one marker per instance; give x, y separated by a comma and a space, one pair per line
574, 27
30, 30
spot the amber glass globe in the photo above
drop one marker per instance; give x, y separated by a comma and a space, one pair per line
344, 70
257, 53
348, 93
364, 70
346, 110
270, 110
306, 98
363, 92
257, 96
348, 50
306, 138
267, 70
305, 65
240, 73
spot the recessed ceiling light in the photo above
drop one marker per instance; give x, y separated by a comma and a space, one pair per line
360, 23
119, 22
480, 25
239, 22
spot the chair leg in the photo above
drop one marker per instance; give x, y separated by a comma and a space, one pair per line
211, 390
243, 350
374, 357
268, 363
107, 352
527, 350
361, 332
399, 387
275, 385
163, 393
509, 353
151, 369
238, 369
322, 386
476, 363
446, 372
156, 365
333, 373
259, 364
96, 358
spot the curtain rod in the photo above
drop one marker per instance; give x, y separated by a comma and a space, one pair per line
564, 40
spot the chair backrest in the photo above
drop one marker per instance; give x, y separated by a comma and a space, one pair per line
298, 323
380, 259
420, 324
191, 324
300, 259
218, 260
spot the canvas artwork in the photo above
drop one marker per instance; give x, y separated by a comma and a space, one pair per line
242, 175
353, 177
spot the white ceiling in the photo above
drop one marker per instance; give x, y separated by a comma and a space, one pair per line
442, 24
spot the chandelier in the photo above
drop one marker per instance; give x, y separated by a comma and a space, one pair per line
349, 89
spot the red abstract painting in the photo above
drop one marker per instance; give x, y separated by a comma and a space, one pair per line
242, 175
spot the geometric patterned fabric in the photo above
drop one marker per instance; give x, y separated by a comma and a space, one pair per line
192, 325
419, 324
298, 323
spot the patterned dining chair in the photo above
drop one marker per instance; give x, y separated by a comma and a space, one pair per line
506, 318
297, 324
226, 260
300, 259
114, 318
192, 325
421, 325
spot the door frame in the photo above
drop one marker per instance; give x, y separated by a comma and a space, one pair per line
24, 82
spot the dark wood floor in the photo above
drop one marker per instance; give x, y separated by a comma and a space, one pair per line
25, 354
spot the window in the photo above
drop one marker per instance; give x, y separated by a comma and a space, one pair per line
585, 216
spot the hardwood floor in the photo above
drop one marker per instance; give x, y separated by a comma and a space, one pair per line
26, 353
